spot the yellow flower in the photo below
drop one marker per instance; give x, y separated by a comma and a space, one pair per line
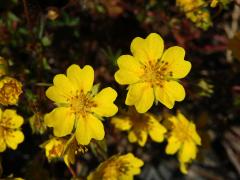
184, 139
152, 74
201, 18
117, 168
10, 134
189, 5
10, 89
139, 126
195, 11
79, 107
63, 148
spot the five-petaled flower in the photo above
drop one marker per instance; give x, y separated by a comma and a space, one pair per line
79, 107
10, 134
10, 90
117, 167
184, 139
139, 126
152, 74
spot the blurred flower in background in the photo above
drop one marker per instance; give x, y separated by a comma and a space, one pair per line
183, 138
117, 167
139, 126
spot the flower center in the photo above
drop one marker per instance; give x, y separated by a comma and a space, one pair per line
6, 122
123, 167
182, 132
157, 73
81, 103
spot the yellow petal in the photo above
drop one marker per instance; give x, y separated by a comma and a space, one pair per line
129, 71
138, 136
122, 123
162, 96
104, 102
0, 114
62, 89
141, 95
13, 138
62, 121
146, 100
173, 54
57, 95
142, 137
173, 119
194, 134
132, 137
173, 145
88, 128
156, 131
155, 46
182, 118
133, 94
10, 119
81, 78
180, 69
128, 176
170, 92
138, 49
188, 152
136, 162
149, 49
2, 144
183, 168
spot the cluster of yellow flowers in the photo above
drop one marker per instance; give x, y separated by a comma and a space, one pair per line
196, 11
152, 75
10, 121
